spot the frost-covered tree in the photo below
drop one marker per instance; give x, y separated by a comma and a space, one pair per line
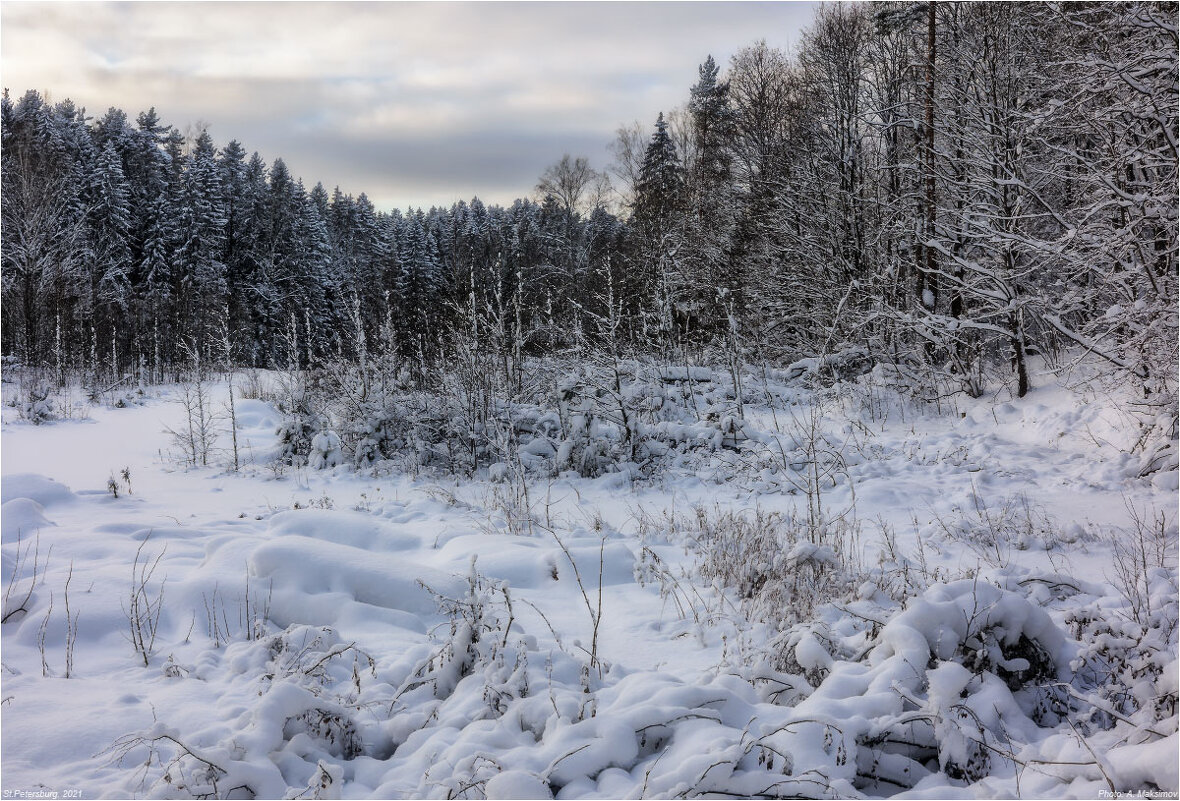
44, 232
712, 206
930, 182
658, 218
109, 224
319, 294
1113, 180
417, 288
202, 224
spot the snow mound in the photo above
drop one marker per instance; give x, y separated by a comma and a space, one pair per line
256, 415
21, 517
304, 566
1143, 765
976, 620
41, 489
517, 784
521, 561
355, 529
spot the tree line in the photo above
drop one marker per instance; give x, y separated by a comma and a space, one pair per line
956, 186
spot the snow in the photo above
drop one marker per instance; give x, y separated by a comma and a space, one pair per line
1148, 763
348, 632
39, 489
22, 515
325, 450
303, 566
517, 784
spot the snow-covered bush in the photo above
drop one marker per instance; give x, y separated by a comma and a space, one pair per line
34, 403
306, 685
987, 652
954, 682
1144, 566
303, 418
843, 365
410, 429
590, 419
476, 639
779, 577
295, 434
589, 456
995, 530
1127, 669
325, 449
376, 437
1127, 660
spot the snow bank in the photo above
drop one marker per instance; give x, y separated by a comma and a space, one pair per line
1135, 767
355, 529
256, 416
21, 518
519, 784
524, 562
341, 675
44, 491
305, 566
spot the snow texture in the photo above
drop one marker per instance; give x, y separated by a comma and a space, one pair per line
953, 622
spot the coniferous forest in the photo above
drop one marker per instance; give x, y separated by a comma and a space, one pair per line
929, 183
823, 443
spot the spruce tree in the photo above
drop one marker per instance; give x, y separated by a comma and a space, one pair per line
201, 245
713, 275
658, 221
109, 224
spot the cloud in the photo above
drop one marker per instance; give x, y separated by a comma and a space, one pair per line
454, 99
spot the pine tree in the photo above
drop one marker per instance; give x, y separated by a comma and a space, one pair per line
146, 171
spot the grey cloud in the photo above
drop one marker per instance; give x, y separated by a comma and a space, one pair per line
397, 172
452, 99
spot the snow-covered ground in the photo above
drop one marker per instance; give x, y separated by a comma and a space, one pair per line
983, 603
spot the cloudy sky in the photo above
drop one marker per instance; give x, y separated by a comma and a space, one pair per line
413, 103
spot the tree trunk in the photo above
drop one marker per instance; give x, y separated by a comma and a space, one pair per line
930, 284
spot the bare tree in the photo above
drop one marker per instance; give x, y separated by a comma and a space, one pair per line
572, 181
627, 149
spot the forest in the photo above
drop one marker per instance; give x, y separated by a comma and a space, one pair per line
822, 444
929, 183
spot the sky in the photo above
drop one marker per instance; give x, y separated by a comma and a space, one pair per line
415, 104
